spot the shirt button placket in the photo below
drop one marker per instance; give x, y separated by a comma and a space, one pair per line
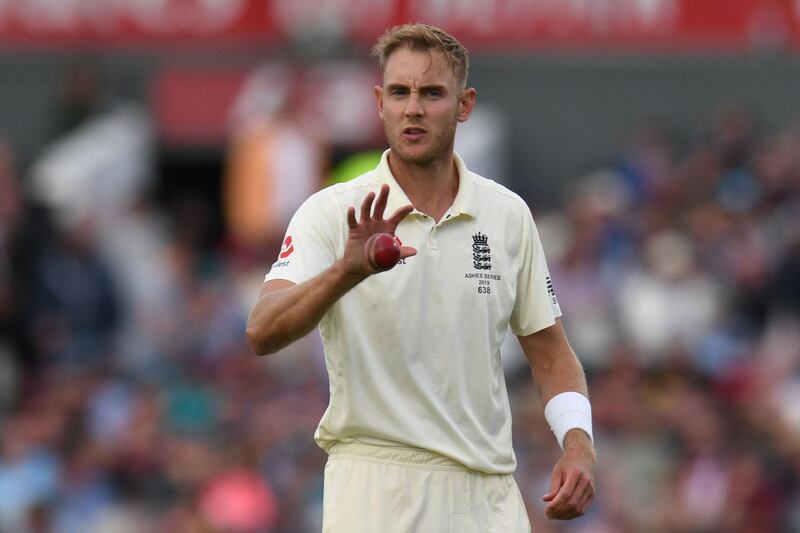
433, 244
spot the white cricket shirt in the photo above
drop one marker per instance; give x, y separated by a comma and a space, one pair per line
413, 354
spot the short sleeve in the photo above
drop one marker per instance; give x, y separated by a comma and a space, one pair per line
536, 306
309, 246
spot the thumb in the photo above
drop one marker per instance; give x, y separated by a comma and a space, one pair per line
407, 251
555, 484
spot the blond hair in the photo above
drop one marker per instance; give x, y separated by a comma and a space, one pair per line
421, 37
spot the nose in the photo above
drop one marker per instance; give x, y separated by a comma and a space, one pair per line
414, 105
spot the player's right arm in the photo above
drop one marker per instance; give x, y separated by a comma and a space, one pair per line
286, 311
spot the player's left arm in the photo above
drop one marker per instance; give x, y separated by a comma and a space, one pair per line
556, 370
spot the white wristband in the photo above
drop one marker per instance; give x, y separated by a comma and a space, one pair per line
566, 411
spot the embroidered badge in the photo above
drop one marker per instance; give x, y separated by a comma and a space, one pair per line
481, 254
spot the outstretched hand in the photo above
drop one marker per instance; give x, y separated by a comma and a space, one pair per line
371, 222
572, 483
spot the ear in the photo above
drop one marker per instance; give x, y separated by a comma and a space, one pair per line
466, 102
378, 90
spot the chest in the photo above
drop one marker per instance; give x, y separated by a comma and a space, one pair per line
464, 265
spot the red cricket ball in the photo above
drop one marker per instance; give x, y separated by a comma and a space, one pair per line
383, 252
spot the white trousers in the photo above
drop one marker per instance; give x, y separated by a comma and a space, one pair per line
376, 489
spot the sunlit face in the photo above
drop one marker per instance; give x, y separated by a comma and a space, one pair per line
420, 103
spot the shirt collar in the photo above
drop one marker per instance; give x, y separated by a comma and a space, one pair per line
465, 201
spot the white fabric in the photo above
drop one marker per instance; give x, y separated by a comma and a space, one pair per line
413, 354
566, 411
372, 489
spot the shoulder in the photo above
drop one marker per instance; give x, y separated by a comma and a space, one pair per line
357, 186
497, 198
332, 198
326, 209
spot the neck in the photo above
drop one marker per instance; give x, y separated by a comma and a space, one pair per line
431, 188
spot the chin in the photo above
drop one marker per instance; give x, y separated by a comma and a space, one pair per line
415, 156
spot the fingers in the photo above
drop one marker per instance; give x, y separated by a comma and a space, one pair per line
372, 219
555, 483
574, 504
351, 218
586, 493
561, 493
559, 503
366, 207
380, 203
407, 251
400, 214
572, 499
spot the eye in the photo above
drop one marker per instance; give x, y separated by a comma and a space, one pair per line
433, 93
398, 91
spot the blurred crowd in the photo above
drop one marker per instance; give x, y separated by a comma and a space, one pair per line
678, 272
130, 403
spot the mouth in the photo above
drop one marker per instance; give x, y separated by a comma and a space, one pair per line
413, 133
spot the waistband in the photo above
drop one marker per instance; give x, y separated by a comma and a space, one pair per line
394, 454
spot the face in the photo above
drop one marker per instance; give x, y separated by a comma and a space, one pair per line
420, 104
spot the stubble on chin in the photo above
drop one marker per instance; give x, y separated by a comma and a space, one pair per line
420, 159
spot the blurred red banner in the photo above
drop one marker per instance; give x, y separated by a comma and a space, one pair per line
503, 24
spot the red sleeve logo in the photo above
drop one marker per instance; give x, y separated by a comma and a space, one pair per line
287, 248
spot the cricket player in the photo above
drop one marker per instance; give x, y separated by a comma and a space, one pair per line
418, 427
